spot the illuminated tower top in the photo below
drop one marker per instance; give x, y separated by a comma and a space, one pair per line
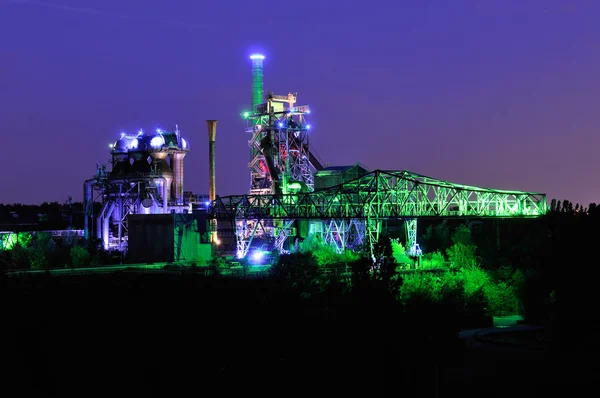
257, 79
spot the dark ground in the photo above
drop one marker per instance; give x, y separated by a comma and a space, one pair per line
167, 335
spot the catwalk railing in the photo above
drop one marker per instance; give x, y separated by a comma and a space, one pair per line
384, 194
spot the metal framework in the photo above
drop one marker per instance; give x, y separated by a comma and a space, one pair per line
279, 146
119, 198
348, 215
146, 178
375, 197
280, 161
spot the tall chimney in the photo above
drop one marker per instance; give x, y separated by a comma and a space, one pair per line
212, 135
257, 80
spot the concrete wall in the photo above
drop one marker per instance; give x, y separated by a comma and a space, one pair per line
150, 238
191, 238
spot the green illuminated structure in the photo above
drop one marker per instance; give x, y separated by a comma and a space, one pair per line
292, 195
351, 213
257, 80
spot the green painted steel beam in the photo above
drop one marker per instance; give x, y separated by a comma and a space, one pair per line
385, 194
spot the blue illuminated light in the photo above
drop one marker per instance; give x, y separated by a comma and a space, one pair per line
134, 144
157, 141
308, 126
158, 130
122, 135
207, 203
184, 143
257, 56
308, 111
258, 256
141, 132
280, 125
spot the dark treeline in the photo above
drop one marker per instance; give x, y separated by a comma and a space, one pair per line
48, 216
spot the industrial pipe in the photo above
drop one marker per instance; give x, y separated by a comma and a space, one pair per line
257, 80
106, 226
177, 166
99, 221
88, 206
212, 187
212, 136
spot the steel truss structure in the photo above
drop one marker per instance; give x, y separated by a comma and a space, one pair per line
136, 194
369, 200
279, 146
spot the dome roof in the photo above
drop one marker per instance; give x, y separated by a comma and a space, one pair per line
150, 142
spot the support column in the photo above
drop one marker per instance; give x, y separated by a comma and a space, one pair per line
412, 247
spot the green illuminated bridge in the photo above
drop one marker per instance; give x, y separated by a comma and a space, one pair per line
385, 194
375, 196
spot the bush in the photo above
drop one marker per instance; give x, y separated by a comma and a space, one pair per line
198, 261
434, 288
399, 253
20, 257
80, 257
301, 272
461, 255
434, 260
501, 298
41, 250
481, 291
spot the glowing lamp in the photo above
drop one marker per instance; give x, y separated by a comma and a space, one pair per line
157, 142
257, 256
257, 56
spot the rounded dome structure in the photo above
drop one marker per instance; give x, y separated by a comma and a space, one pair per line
161, 140
126, 143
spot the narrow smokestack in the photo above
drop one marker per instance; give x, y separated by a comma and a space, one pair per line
257, 80
212, 135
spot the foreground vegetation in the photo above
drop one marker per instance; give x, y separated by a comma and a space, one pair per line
468, 271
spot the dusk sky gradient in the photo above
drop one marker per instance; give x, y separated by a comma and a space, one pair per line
493, 93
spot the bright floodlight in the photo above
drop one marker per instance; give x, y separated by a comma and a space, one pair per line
157, 142
257, 256
257, 56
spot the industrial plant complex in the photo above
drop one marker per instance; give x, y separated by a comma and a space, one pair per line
146, 211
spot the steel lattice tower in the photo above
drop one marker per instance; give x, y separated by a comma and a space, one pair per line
280, 159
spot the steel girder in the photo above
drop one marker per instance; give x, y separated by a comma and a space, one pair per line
353, 211
383, 195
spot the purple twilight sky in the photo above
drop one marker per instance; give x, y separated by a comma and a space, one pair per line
494, 93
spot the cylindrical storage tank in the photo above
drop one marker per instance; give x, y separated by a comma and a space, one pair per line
177, 166
163, 169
